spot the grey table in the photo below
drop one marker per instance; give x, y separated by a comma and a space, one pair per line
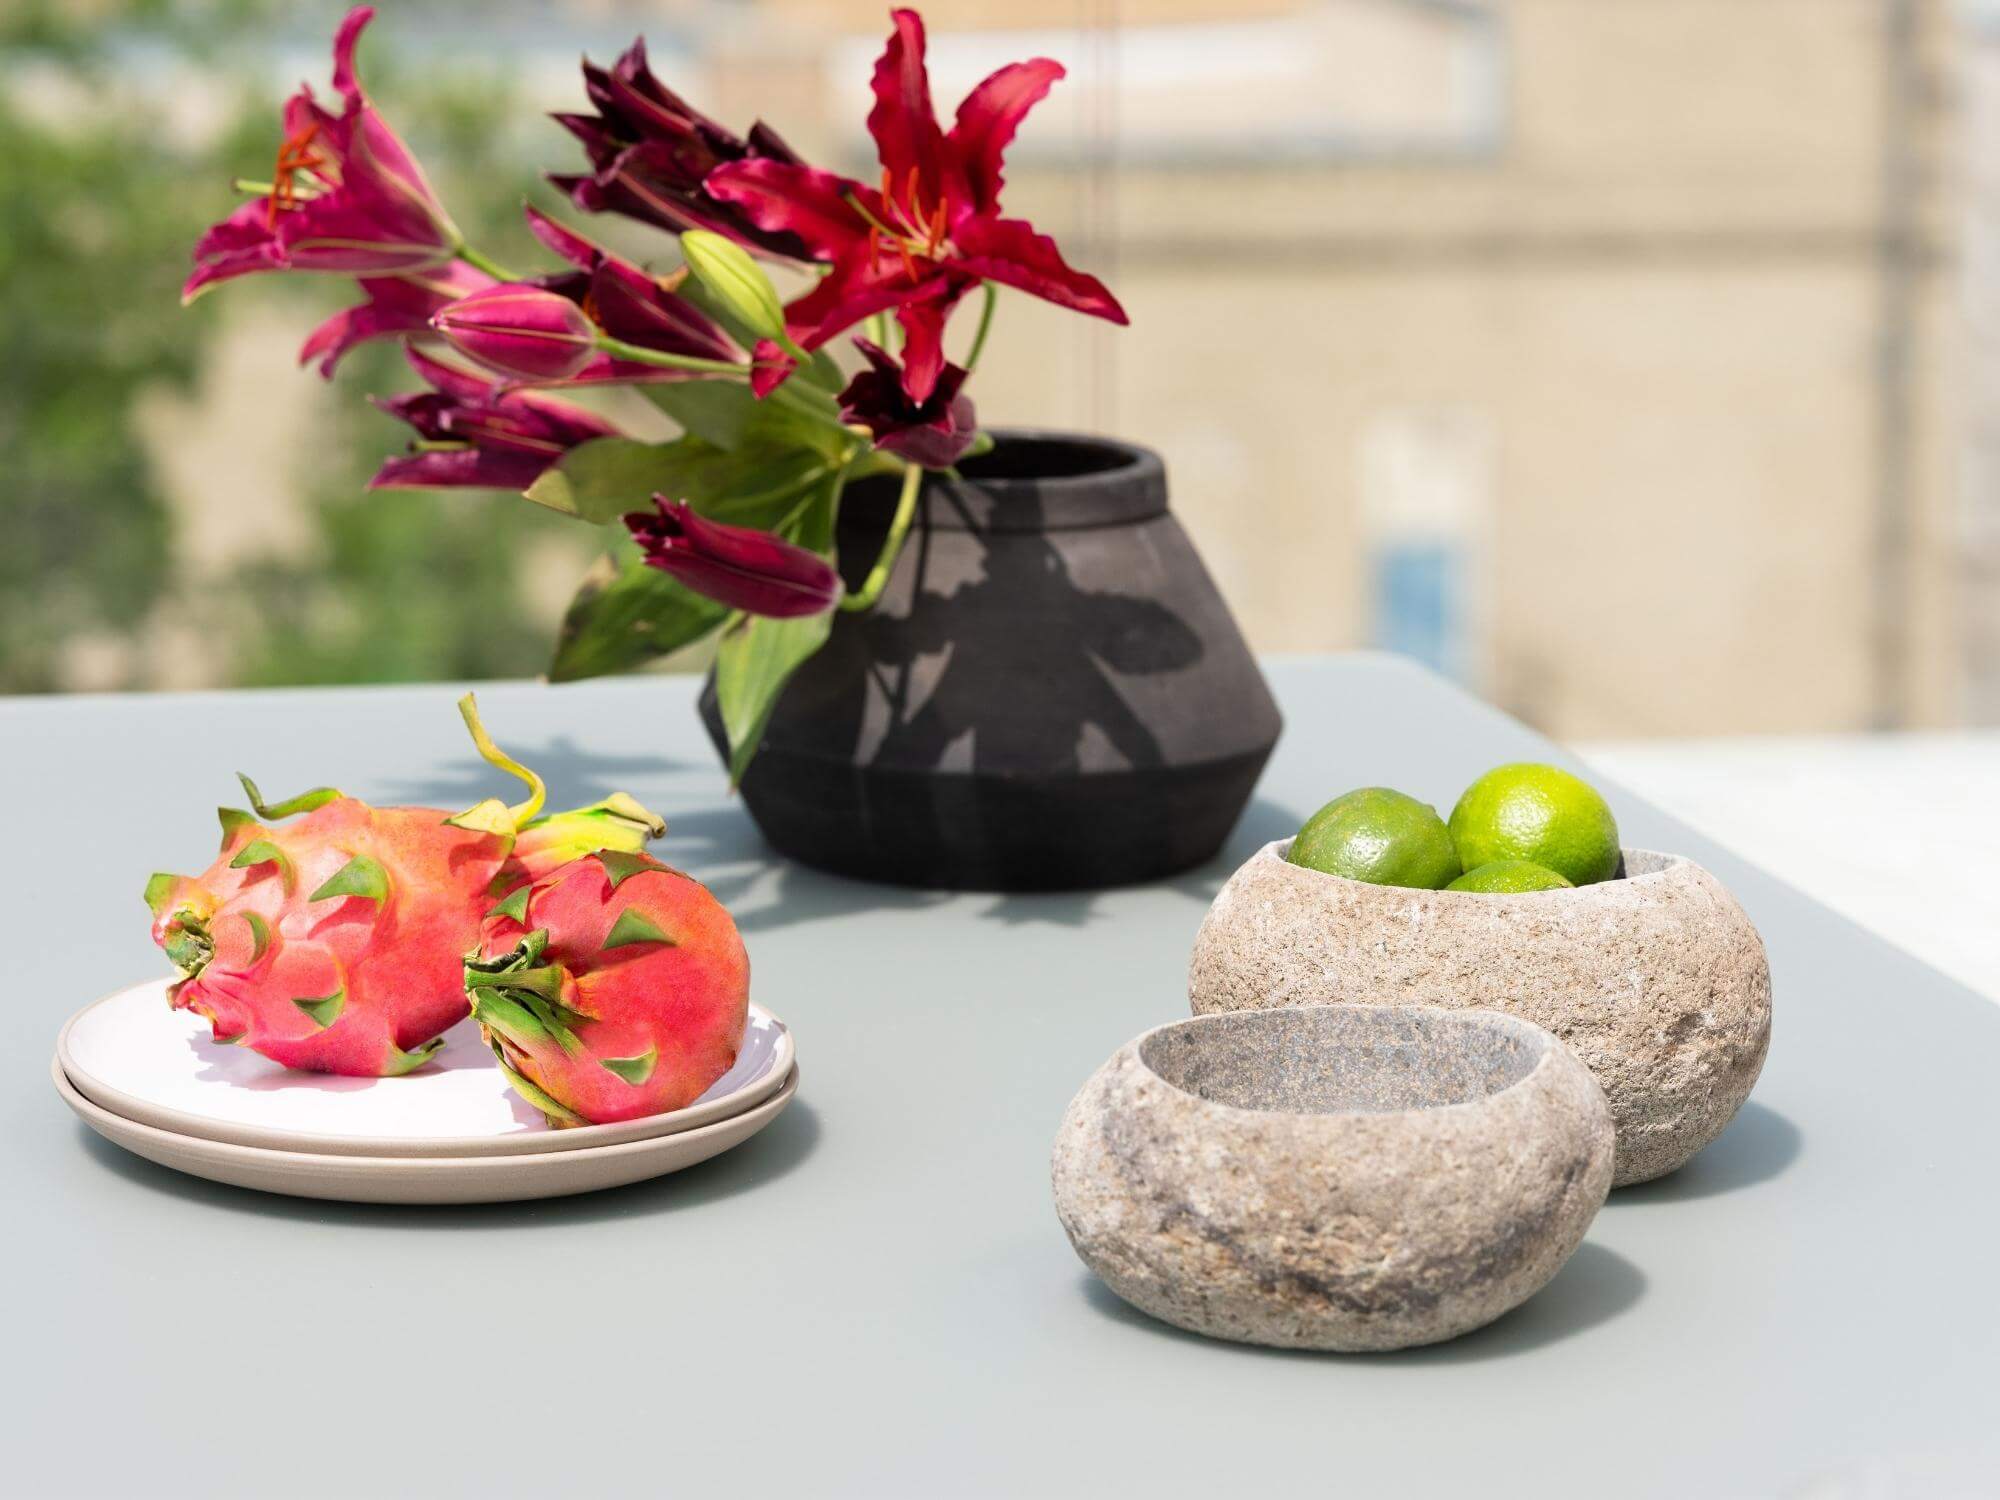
874, 1297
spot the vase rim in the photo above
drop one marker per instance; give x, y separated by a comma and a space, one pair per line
1113, 483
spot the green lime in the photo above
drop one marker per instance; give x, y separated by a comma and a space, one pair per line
1537, 813
1508, 875
1379, 836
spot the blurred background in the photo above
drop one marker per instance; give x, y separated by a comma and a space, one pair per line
1633, 363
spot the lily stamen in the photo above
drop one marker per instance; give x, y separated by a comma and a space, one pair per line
294, 156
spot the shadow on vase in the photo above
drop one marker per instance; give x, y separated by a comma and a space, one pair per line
773, 1152
1756, 1146
1596, 1286
903, 690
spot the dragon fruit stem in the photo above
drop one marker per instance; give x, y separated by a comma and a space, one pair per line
522, 812
319, 796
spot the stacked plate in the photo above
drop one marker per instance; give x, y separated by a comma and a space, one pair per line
148, 1078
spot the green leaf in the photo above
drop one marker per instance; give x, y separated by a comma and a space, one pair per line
326, 1009
756, 485
318, 797
515, 906
626, 613
756, 659
621, 866
600, 480
263, 852
634, 1070
360, 876
401, 1062
634, 926
815, 523
260, 935
716, 411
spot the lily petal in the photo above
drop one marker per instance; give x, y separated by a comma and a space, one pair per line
923, 340
814, 206
903, 121
987, 120
1011, 252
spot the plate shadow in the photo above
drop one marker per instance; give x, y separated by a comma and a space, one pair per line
775, 1150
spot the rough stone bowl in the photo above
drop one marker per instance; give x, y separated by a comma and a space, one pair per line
1655, 978
1349, 1177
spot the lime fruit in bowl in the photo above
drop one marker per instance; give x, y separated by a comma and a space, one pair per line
1541, 814
1380, 836
1509, 876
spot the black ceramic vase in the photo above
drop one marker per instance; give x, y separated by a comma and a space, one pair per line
1049, 695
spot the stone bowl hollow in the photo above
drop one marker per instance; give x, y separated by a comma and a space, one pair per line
1655, 978
1343, 1178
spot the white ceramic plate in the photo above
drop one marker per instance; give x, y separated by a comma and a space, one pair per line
134, 1055
427, 1179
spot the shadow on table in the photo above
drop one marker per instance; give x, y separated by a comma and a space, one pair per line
1758, 1144
575, 776
766, 891
720, 845
1596, 1286
774, 1151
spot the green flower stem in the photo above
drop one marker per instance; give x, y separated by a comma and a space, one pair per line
892, 545
782, 396
479, 260
985, 324
640, 355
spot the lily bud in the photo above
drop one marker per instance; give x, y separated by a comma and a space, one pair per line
527, 332
740, 566
728, 274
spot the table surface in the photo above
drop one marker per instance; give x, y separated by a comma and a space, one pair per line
874, 1297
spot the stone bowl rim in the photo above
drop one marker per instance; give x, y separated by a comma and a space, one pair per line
1547, 1043
1669, 864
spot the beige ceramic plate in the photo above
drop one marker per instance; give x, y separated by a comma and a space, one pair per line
406, 1179
134, 1055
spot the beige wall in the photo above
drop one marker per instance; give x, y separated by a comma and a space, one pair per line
1665, 291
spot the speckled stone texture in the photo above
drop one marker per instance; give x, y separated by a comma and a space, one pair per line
1656, 980
1351, 1178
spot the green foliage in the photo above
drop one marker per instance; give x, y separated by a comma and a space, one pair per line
103, 205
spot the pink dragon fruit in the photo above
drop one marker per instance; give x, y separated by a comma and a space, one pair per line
611, 988
337, 943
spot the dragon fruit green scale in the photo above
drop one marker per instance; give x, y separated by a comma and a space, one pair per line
614, 987
336, 942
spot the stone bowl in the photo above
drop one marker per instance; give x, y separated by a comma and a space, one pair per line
1348, 1177
1655, 978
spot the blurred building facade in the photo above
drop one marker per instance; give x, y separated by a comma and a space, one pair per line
1605, 354
1611, 356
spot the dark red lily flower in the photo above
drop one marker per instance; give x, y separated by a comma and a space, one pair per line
740, 566
346, 195
650, 151
397, 306
527, 333
932, 231
933, 433
475, 433
630, 306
